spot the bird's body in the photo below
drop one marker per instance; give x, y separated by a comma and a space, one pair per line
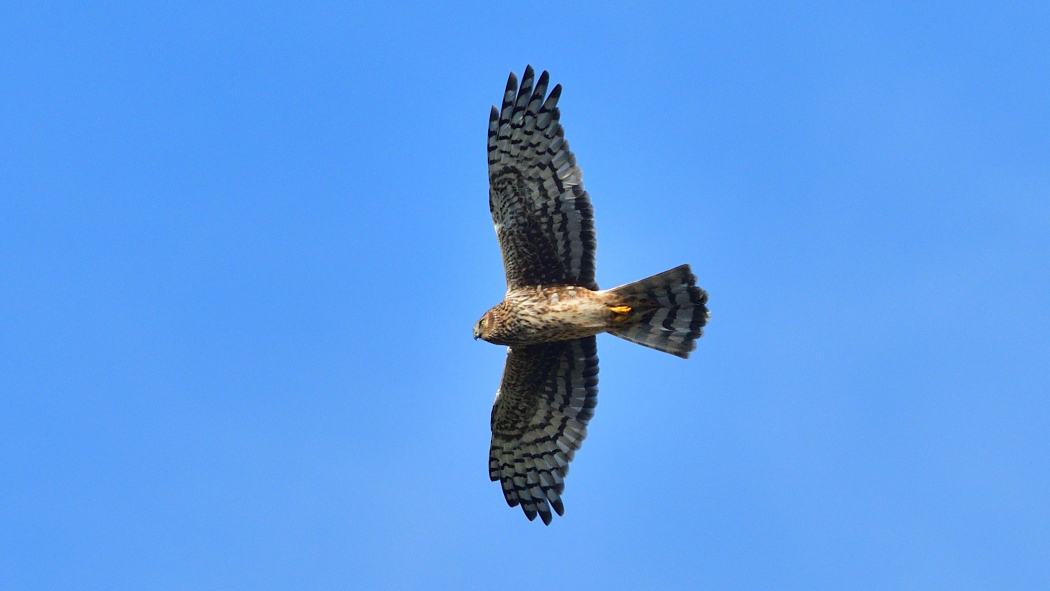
535, 315
553, 308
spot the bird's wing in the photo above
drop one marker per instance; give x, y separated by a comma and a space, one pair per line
539, 420
543, 217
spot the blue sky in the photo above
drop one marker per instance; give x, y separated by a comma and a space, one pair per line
242, 248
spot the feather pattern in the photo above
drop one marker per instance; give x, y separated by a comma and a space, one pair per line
543, 217
539, 420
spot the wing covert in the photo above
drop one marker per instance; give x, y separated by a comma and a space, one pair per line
539, 420
543, 217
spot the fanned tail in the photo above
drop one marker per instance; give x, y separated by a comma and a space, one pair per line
668, 312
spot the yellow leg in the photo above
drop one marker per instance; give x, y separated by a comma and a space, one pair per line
620, 312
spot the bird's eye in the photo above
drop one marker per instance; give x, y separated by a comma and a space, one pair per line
482, 323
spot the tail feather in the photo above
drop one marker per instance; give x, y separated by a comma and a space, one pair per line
668, 311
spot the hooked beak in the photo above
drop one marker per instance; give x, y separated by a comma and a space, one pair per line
476, 333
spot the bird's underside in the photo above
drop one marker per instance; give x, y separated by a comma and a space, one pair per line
553, 308
537, 315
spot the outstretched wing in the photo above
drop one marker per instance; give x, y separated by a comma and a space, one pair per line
543, 217
539, 420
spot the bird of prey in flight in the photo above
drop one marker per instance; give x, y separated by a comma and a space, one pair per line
553, 308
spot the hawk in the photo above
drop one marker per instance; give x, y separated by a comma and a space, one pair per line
553, 308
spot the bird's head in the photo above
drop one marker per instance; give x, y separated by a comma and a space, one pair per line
483, 327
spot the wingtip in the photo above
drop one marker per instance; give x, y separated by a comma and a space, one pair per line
559, 508
544, 79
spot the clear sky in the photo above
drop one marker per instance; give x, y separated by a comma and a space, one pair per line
242, 248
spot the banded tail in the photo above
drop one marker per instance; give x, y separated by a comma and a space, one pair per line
668, 311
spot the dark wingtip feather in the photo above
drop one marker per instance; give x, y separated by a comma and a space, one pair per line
558, 507
544, 79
